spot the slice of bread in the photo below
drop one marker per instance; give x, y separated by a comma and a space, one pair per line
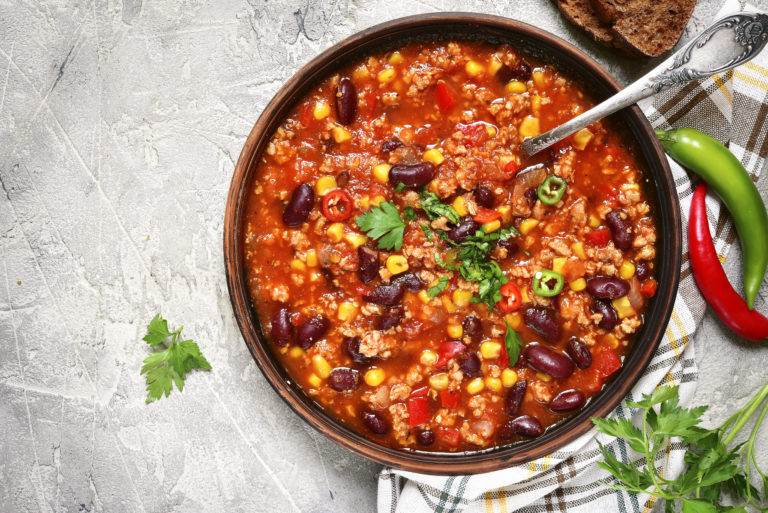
639, 27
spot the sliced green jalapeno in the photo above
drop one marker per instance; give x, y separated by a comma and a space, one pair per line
547, 283
551, 190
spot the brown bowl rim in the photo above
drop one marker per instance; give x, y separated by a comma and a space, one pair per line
667, 215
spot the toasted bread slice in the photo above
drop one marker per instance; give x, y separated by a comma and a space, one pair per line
581, 13
654, 29
609, 11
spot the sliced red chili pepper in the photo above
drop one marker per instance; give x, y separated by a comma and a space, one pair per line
474, 133
337, 205
486, 215
449, 436
445, 99
503, 357
648, 288
418, 410
511, 298
606, 362
599, 237
450, 398
511, 168
713, 283
448, 350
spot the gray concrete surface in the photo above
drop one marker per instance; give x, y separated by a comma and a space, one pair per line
120, 123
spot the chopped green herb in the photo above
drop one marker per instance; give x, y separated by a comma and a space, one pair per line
439, 287
427, 231
164, 368
409, 213
449, 262
430, 203
400, 187
512, 343
383, 224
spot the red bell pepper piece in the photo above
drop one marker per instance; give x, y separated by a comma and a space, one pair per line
486, 215
418, 410
445, 99
511, 168
448, 350
713, 283
450, 398
449, 436
606, 362
648, 288
599, 237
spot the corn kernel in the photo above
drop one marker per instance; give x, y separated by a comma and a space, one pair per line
374, 377
475, 386
296, 352
494, 65
491, 226
461, 297
428, 357
321, 110
515, 87
346, 311
386, 75
529, 127
493, 384
433, 155
578, 285
525, 295
396, 58
315, 276
448, 304
325, 184
582, 138
314, 381
397, 264
578, 250
381, 172
298, 265
541, 376
515, 320
526, 225
321, 366
536, 104
627, 270
439, 381
491, 130
623, 307
558, 264
311, 258
424, 297
454, 331
508, 377
460, 206
506, 213
539, 78
594, 221
474, 68
490, 350
611, 340
335, 232
334, 257
355, 239
378, 200
341, 134
364, 203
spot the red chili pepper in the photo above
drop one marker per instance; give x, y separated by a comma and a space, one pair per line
337, 205
448, 350
486, 215
648, 288
511, 298
418, 410
450, 398
606, 362
511, 168
449, 436
599, 237
713, 283
445, 99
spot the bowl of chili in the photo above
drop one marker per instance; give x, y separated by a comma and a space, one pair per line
337, 206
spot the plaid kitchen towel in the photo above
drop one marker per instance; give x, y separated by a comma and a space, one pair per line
569, 479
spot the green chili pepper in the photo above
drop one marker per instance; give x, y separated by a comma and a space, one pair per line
547, 283
551, 190
712, 161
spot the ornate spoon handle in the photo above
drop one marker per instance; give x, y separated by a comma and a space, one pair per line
727, 43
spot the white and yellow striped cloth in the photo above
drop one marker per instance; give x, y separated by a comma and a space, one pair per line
569, 480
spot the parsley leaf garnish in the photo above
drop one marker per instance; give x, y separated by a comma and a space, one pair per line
164, 368
439, 287
512, 344
409, 213
432, 206
427, 231
400, 187
384, 224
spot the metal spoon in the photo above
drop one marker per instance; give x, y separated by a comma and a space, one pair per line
729, 42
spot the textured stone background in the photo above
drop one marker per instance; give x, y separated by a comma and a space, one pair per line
120, 123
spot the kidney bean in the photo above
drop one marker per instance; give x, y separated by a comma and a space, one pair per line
281, 329
342, 179
389, 145
548, 361
473, 328
367, 264
514, 397
525, 425
621, 230
375, 423
312, 330
543, 321
299, 206
531, 195
579, 353
520, 71
510, 245
610, 318
391, 317
352, 348
484, 196
413, 176
346, 101
642, 271
607, 287
410, 281
425, 437
469, 364
466, 227
567, 400
386, 294
343, 379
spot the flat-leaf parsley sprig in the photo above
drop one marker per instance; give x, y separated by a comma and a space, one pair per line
173, 359
384, 224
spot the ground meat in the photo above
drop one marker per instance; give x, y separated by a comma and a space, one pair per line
373, 343
630, 324
543, 391
399, 392
400, 427
564, 166
560, 246
379, 398
279, 293
478, 405
470, 436
578, 213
